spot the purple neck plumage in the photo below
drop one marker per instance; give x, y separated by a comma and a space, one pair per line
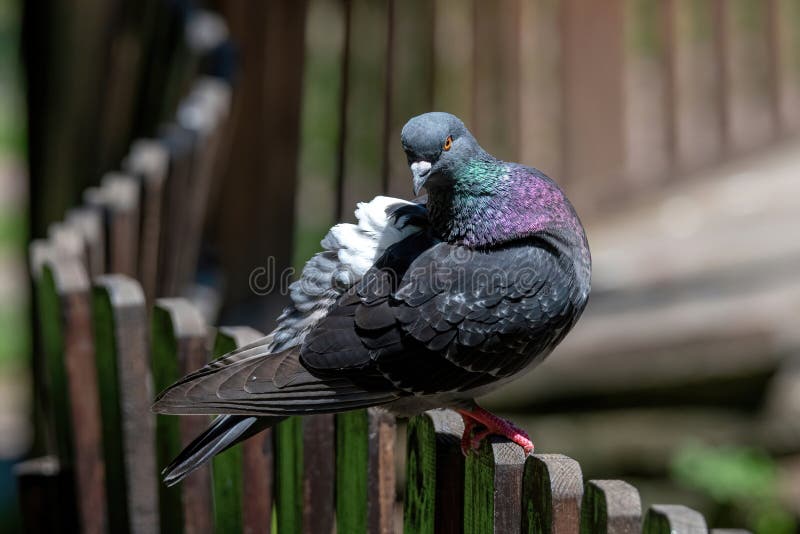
493, 203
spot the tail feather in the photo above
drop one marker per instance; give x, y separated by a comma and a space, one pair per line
224, 432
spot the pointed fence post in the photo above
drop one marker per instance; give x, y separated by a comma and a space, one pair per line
365, 471
673, 519
552, 489
179, 347
243, 470
610, 507
493, 487
435, 474
126, 391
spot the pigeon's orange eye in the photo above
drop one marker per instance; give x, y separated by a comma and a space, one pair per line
448, 143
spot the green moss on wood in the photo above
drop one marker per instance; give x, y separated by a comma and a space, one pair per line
226, 469
168, 437
479, 490
419, 513
289, 475
352, 458
108, 387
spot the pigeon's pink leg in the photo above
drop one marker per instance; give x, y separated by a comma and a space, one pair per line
492, 425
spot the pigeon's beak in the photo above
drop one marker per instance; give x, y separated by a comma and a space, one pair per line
421, 170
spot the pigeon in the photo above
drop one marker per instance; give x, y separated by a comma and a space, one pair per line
421, 304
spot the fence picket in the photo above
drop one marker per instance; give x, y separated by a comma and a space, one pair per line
610, 506
242, 469
125, 386
68, 279
179, 347
319, 473
435, 473
365, 471
552, 489
673, 519
493, 487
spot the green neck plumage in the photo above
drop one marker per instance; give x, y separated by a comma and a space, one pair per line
470, 193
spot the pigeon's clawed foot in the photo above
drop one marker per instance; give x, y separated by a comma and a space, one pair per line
479, 423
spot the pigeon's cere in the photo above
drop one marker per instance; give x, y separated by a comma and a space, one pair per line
420, 305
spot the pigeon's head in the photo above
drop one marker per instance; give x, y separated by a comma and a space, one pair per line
436, 143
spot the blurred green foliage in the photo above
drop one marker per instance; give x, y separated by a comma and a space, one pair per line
738, 478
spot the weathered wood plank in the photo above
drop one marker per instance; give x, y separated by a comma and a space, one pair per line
382, 430
243, 469
46, 496
552, 489
319, 473
289, 468
435, 474
125, 385
67, 277
493, 487
148, 160
365, 471
673, 519
179, 347
55, 393
610, 507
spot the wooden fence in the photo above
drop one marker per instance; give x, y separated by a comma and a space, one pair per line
104, 357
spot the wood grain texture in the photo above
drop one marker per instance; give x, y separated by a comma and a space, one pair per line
126, 392
244, 469
71, 284
434, 498
319, 473
673, 519
179, 347
610, 507
493, 487
552, 489
381, 471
